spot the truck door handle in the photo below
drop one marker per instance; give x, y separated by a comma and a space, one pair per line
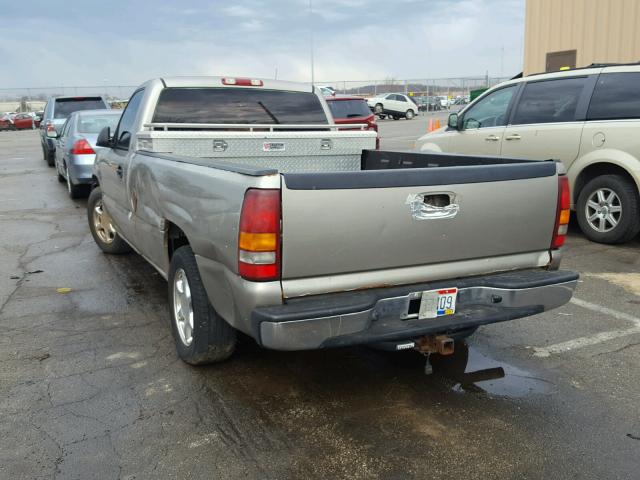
492, 138
515, 136
119, 171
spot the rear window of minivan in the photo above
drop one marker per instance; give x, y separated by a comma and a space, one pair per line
617, 95
66, 106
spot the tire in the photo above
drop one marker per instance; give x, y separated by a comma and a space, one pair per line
378, 108
409, 114
207, 338
51, 158
75, 191
61, 178
396, 117
382, 116
595, 199
106, 238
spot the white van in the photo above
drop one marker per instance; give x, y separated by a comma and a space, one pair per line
588, 118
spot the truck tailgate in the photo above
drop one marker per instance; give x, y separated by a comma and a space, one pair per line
384, 219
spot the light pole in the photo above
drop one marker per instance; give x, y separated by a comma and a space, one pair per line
311, 39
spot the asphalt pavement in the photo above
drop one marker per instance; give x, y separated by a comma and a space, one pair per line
91, 387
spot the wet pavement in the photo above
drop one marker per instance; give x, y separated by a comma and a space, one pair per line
91, 387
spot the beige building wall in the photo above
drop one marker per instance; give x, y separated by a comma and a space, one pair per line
601, 31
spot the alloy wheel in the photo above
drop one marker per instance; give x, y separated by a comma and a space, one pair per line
603, 210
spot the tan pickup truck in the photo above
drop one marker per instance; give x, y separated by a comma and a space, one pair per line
267, 218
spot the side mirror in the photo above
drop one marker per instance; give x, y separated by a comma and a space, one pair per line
452, 123
52, 133
104, 138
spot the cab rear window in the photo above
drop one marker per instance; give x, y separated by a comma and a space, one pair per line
238, 105
349, 108
66, 106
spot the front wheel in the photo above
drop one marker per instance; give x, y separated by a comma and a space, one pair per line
102, 227
200, 334
608, 209
409, 115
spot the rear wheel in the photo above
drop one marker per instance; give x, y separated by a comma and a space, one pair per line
51, 158
608, 209
200, 334
101, 226
75, 191
409, 115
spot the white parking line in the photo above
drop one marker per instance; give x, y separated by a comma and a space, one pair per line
592, 339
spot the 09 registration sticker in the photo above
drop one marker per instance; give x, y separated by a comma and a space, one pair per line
438, 303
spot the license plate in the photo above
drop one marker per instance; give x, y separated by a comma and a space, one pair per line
438, 303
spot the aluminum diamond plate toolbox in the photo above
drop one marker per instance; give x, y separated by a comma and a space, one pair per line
290, 151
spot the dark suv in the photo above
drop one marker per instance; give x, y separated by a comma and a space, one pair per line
56, 113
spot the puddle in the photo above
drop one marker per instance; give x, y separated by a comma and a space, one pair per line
473, 372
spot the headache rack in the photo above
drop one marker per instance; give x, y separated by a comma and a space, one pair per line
251, 127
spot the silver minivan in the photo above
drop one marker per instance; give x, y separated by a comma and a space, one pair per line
588, 118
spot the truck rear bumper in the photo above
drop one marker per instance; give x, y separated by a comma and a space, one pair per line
380, 314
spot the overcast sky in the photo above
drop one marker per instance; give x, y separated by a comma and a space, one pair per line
118, 42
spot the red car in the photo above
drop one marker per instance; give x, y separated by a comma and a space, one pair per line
24, 121
347, 110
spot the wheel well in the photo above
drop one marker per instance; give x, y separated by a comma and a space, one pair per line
597, 170
94, 182
176, 238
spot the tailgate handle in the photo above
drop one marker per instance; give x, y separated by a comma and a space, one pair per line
431, 206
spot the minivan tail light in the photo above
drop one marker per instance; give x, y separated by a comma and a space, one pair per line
259, 255
563, 213
82, 147
50, 126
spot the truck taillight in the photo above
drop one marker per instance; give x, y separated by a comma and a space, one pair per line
243, 82
82, 147
562, 214
259, 237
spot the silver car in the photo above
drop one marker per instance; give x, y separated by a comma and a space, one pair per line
76, 147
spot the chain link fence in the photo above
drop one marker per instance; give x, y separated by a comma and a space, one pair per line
449, 87
33, 99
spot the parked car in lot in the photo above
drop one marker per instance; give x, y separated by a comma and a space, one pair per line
352, 110
24, 121
55, 114
428, 104
6, 122
395, 105
76, 147
587, 118
267, 218
327, 91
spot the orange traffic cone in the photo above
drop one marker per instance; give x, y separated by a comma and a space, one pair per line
438, 124
430, 129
